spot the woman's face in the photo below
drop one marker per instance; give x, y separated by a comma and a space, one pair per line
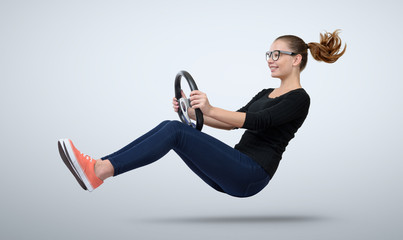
284, 65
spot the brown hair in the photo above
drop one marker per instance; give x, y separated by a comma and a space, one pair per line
327, 50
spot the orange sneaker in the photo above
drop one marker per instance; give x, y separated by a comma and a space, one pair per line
80, 165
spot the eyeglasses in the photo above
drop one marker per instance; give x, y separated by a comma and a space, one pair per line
275, 55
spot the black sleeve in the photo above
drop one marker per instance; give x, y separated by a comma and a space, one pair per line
256, 97
290, 108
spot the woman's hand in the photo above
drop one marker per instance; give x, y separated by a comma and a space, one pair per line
199, 99
176, 103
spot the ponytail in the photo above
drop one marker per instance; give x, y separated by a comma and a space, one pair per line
327, 50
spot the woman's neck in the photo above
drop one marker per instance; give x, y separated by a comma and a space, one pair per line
290, 83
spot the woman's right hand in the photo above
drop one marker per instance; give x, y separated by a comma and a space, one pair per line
175, 102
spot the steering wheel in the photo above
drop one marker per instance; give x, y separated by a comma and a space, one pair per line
184, 103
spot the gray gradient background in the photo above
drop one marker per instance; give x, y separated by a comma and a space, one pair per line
101, 73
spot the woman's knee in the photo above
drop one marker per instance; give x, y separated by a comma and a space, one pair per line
165, 122
170, 123
174, 124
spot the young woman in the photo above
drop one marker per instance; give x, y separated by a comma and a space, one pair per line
271, 120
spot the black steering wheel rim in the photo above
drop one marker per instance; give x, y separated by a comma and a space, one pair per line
178, 96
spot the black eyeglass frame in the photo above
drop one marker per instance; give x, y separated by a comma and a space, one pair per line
270, 54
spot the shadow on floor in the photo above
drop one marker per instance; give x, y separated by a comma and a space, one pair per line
239, 219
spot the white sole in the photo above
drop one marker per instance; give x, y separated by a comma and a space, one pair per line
66, 159
76, 165
66, 154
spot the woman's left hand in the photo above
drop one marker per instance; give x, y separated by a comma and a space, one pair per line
199, 99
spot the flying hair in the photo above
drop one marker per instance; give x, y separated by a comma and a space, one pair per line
329, 49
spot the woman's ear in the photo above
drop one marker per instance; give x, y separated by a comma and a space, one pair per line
297, 60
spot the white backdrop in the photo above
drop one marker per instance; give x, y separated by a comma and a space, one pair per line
102, 72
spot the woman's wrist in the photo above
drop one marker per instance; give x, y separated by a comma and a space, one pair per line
212, 111
191, 113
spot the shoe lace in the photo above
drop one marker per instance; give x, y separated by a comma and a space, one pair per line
86, 156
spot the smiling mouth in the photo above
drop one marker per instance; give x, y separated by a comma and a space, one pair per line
273, 68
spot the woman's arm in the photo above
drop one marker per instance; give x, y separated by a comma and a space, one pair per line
215, 115
209, 121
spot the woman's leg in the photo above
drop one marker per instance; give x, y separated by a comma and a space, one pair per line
103, 167
199, 173
138, 140
218, 164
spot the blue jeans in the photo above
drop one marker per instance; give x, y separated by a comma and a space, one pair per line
219, 165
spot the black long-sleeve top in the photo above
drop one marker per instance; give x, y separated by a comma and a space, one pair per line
271, 123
